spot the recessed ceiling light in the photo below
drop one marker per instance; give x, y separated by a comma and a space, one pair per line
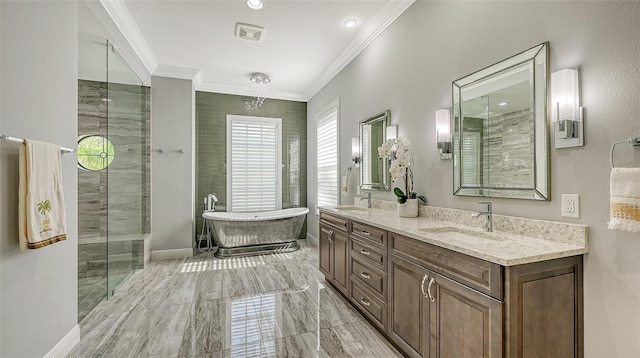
503, 103
255, 4
350, 22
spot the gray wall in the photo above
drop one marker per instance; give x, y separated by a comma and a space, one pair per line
38, 82
172, 173
211, 153
409, 68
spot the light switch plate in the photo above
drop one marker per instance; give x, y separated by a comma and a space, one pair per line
571, 205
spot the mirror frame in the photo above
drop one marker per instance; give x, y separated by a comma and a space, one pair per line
382, 116
538, 56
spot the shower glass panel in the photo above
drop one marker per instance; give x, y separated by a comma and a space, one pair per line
126, 181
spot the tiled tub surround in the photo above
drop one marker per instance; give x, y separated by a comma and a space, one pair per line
260, 306
519, 241
211, 154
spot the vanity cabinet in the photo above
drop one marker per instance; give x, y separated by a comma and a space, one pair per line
435, 302
434, 316
333, 247
368, 268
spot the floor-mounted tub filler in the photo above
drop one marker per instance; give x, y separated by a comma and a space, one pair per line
256, 233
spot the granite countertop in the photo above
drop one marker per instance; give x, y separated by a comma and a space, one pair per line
542, 240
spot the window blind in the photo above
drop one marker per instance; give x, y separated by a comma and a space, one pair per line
327, 156
253, 164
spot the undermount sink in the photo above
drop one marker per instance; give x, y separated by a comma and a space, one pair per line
351, 208
464, 235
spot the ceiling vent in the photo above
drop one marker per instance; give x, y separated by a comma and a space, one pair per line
249, 32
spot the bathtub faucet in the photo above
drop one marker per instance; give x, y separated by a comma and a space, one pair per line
210, 202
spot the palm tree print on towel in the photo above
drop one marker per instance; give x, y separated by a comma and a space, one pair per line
44, 207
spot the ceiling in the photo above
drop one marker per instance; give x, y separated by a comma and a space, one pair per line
305, 42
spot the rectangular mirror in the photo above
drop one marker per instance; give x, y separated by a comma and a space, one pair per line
374, 172
501, 139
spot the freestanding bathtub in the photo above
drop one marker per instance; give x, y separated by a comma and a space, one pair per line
256, 233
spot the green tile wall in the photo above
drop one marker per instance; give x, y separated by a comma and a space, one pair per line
211, 112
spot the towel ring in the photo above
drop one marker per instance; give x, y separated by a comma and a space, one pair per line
634, 141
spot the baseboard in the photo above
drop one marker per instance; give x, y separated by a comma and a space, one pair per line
312, 240
66, 344
158, 255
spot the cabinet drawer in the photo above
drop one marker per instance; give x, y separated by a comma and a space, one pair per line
338, 222
369, 305
369, 233
370, 254
370, 277
478, 274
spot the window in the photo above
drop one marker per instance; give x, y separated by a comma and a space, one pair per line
95, 152
327, 155
254, 161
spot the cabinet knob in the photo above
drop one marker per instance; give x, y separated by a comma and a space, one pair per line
365, 275
365, 252
365, 302
365, 233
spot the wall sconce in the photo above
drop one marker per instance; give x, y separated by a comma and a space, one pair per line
355, 151
392, 132
443, 133
566, 113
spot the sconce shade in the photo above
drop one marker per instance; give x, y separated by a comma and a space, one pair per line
355, 147
443, 126
392, 132
565, 96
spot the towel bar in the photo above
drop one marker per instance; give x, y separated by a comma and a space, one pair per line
20, 140
634, 141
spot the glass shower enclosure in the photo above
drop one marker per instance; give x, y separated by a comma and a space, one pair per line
126, 128
113, 174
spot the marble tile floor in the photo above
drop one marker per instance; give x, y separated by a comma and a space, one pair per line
261, 306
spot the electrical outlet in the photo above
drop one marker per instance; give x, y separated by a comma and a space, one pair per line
571, 205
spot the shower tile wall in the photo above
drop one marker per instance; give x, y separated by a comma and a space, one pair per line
211, 155
507, 146
132, 155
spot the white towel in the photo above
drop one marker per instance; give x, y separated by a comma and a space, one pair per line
625, 199
345, 184
41, 201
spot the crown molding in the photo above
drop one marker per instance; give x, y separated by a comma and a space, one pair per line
123, 20
118, 39
121, 17
244, 91
369, 32
183, 73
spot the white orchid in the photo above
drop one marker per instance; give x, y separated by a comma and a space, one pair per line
398, 150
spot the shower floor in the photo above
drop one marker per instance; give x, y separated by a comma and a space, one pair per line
126, 254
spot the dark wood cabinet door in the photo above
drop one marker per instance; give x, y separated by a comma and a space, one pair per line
325, 249
409, 309
463, 322
341, 261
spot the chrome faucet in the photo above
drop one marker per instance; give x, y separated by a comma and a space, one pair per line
368, 198
487, 213
210, 202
